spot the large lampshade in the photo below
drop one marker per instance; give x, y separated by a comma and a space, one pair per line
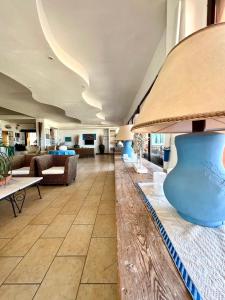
125, 133
190, 86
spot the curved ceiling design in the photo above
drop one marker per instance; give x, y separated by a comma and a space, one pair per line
19, 99
85, 57
66, 59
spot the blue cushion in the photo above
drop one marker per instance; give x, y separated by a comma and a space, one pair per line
62, 152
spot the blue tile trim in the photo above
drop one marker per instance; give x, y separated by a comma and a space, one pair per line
172, 251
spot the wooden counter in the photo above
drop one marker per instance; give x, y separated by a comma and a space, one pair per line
146, 270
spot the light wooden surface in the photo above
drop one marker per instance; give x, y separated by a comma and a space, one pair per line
146, 270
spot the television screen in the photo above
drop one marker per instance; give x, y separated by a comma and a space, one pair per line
68, 139
90, 136
89, 142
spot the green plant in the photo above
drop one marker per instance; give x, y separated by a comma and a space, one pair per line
5, 165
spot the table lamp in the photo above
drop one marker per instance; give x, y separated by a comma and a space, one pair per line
189, 97
126, 136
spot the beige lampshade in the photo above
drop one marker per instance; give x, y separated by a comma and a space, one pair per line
190, 86
124, 133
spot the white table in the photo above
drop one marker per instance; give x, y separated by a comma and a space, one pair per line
15, 191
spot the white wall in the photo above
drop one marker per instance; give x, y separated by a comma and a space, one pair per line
62, 133
193, 17
174, 8
152, 72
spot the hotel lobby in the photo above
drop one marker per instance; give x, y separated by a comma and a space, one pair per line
112, 150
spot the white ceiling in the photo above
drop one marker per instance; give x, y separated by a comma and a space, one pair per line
100, 50
14, 95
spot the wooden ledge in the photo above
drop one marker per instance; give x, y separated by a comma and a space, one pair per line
146, 270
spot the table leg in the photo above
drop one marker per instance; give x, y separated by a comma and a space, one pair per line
19, 197
12, 201
39, 192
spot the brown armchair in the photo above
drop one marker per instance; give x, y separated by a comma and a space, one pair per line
24, 165
57, 169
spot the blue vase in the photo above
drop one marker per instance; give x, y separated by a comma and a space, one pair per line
127, 149
196, 186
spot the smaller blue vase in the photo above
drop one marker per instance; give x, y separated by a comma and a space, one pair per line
127, 149
196, 186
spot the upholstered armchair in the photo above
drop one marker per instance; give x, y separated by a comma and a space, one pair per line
57, 169
24, 165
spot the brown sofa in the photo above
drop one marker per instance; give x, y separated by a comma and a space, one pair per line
24, 165
57, 169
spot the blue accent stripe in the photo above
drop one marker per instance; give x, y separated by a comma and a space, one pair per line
174, 255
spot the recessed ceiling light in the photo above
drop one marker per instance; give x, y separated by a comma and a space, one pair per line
50, 57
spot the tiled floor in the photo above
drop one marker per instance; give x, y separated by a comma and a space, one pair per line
64, 245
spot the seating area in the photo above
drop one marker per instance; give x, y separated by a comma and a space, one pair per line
55, 169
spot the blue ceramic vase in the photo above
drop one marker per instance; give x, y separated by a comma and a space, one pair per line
196, 186
127, 149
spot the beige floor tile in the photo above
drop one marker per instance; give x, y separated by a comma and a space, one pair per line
108, 196
20, 244
109, 188
35, 208
46, 216
35, 264
84, 187
98, 292
76, 241
3, 242
105, 226
99, 184
17, 292
60, 201
7, 264
59, 227
72, 207
106, 208
92, 201
86, 215
62, 280
76, 194
101, 263
14, 225
95, 191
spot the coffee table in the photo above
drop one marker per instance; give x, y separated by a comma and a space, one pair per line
15, 191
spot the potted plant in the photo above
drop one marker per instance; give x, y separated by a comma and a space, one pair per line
5, 168
101, 145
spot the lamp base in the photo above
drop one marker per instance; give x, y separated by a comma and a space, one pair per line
196, 186
127, 149
201, 223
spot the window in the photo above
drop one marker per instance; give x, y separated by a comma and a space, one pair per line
216, 11
156, 149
